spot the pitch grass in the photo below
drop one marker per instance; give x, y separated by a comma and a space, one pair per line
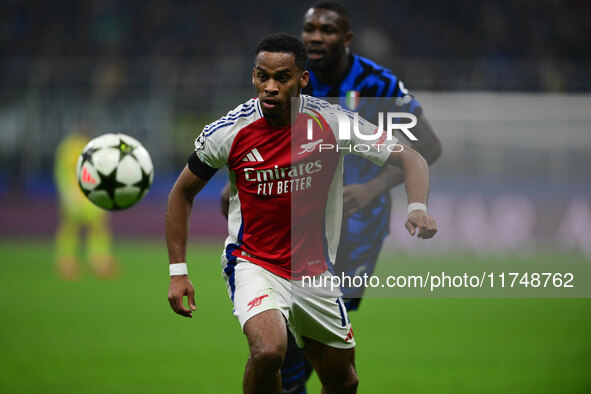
120, 336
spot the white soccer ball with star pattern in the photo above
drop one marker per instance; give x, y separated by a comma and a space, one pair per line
114, 171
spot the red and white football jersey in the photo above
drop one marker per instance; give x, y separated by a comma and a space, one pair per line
286, 183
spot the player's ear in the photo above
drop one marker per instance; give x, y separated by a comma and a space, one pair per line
253, 71
349, 38
304, 79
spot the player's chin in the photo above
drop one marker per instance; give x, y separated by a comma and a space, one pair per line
316, 63
271, 113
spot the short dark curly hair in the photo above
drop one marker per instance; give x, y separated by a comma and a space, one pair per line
284, 43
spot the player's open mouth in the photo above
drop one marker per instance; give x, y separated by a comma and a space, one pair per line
270, 103
315, 54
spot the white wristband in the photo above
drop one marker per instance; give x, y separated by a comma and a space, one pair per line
178, 269
416, 206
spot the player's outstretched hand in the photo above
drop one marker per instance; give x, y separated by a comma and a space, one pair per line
421, 220
181, 286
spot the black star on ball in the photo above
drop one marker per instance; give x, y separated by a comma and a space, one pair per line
109, 183
143, 183
87, 155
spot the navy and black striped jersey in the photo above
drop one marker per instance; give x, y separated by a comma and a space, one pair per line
366, 79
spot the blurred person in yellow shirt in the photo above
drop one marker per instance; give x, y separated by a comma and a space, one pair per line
77, 214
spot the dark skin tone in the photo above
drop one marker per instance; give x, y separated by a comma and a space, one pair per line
327, 38
277, 80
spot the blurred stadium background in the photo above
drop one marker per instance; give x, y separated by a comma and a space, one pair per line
506, 86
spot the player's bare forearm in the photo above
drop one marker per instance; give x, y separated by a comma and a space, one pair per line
178, 212
359, 196
427, 144
415, 173
389, 177
416, 181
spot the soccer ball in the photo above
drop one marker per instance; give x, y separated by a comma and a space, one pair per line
114, 171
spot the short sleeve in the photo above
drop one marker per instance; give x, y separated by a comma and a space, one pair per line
210, 148
404, 101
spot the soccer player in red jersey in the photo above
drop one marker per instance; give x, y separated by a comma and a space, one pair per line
284, 217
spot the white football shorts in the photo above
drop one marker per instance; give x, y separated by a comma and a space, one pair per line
318, 314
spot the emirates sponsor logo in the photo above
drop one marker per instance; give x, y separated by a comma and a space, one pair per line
275, 173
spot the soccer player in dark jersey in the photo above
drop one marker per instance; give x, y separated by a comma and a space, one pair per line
284, 214
336, 72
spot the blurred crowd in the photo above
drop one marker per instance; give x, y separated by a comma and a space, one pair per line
159, 69
490, 45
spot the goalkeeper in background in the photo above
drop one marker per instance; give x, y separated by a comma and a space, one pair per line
78, 213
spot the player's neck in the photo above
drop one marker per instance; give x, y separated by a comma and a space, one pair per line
284, 119
334, 74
